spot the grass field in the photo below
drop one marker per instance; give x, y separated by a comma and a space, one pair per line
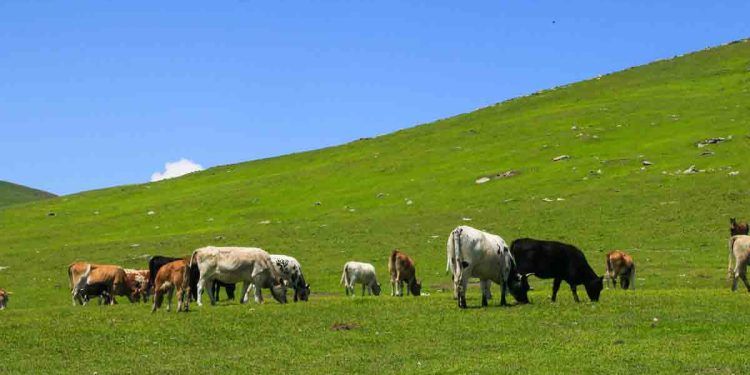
11, 193
407, 190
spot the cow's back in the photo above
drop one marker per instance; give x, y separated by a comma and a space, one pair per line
232, 264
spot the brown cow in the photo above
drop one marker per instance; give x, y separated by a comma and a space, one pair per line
105, 279
620, 264
401, 268
736, 228
138, 281
170, 276
3, 298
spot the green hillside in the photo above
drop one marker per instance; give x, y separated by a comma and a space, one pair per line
408, 190
11, 193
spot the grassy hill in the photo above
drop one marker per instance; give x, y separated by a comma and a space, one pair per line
11, 193
407, 190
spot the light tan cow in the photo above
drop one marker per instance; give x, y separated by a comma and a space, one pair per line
172, 276
739, 252
619, 264
231, 265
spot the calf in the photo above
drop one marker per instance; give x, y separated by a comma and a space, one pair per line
290, 271
737, 228
363, 273
4, 297
235, 264
474, 253
559, 261
171, 276
401, 268
620, 264
739, 251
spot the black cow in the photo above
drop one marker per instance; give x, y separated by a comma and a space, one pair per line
558, 261
158, 261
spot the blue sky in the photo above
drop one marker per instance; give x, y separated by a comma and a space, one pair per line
102, 93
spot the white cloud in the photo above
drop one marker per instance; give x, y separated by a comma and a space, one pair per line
176, 169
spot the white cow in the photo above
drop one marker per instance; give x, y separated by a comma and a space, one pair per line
290, 271
739, 252
234, 264
474, 253
363, 273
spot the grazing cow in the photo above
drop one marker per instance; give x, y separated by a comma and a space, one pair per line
551, 259
171, 276
138, 280
83, 275
290, 271
235, 264
620, 264
474, 253
4, 298
401, 268
736, 228
739, 251
363, 273
158, 261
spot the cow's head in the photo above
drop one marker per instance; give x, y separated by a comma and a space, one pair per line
518, 285
594, 288
376, 289
415, 288
3, 298
278, 291
736, 228
302, 292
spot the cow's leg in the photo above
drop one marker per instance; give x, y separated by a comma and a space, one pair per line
575, 294
393, 286
503, 293
199, 291
230, 288
555, 288
741, 271
258, 292
364, 288
485, 287
245, 292
169, 298
463, 285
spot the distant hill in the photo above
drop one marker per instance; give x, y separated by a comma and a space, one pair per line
11, 193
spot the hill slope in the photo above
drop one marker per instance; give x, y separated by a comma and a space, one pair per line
11, 193
408, 189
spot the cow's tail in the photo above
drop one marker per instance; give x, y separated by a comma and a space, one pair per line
392, 264
344, 277
454, 250
609, 270
70, 275
193, 258
632, 276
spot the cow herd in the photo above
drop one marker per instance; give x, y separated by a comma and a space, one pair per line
470, 253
